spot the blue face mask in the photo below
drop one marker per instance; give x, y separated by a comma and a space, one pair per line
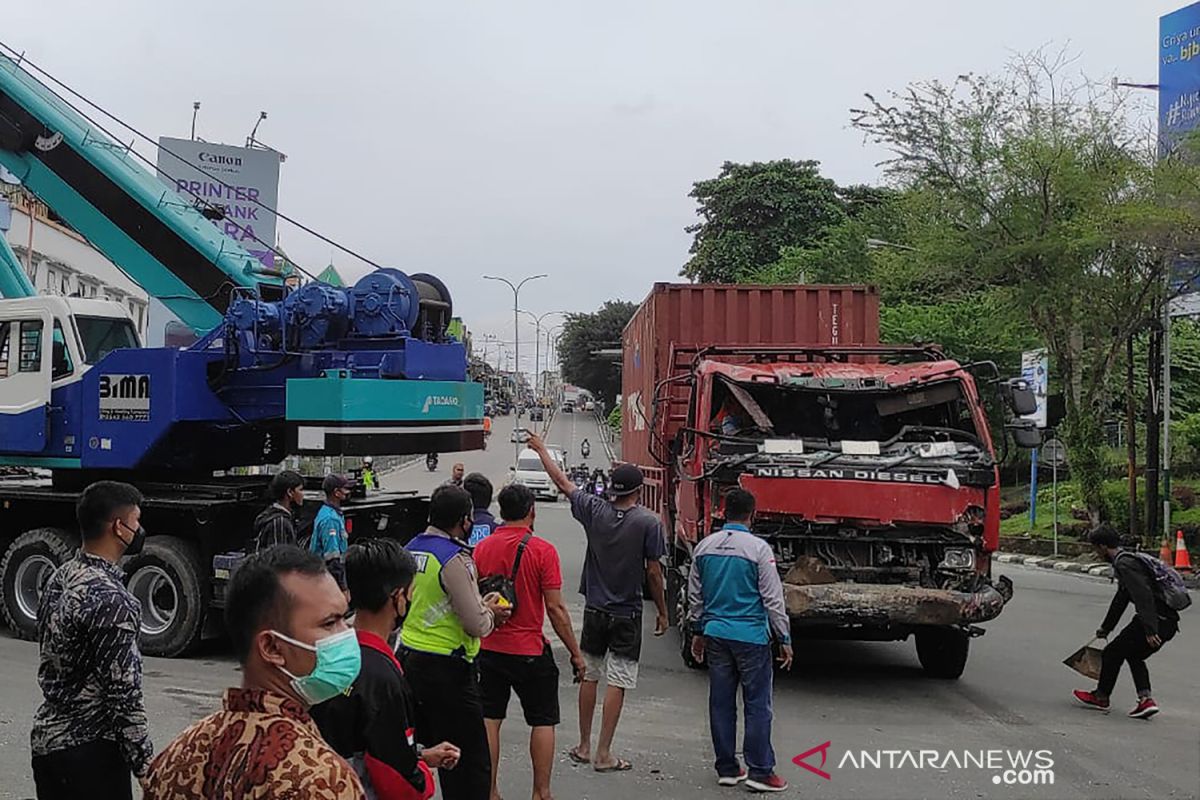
338, 662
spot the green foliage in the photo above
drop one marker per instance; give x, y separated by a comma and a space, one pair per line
1044, 186
582, 335
750, 211
614, 418
981, 326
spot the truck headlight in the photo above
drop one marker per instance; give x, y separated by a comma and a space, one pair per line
958, 558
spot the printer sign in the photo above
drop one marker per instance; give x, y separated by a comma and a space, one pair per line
125, 398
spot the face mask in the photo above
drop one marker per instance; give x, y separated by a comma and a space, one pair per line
400, 617
338, 662
138, 541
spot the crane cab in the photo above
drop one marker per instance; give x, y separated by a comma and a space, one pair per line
47, 343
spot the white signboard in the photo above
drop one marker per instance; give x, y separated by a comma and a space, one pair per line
240, 180
1035, 369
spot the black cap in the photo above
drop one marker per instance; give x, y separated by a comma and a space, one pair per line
626, 479
334, 482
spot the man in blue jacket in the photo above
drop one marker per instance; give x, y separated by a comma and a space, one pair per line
736, 603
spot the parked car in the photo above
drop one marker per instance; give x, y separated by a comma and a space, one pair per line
537, 414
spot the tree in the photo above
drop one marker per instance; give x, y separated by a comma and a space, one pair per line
1046, 186
582, 336
751, 211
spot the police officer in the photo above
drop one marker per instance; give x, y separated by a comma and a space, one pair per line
440, 640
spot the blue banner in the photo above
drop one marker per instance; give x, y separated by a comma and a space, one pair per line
1178, 74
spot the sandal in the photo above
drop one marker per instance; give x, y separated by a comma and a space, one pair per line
620, 765
573, 754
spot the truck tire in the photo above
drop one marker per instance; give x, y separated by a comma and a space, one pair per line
677, 609
28, 563
166, 578
943, 652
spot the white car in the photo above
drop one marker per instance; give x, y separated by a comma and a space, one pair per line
531, 473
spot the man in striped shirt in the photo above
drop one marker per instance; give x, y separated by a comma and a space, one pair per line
736, 604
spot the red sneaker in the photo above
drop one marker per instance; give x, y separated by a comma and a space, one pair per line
1145, 709
771, 783
731, 780
1090, 700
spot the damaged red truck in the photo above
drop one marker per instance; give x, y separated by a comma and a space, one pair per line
873, 465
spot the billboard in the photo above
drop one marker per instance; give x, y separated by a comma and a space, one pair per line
240, 180
1035, 370
1178, 74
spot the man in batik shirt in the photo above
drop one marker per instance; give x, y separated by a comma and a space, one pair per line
285, 616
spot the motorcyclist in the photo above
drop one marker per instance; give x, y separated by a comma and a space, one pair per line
585, 448
368, 474
431, 462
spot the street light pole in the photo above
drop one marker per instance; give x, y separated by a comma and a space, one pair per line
516, 290
537, 323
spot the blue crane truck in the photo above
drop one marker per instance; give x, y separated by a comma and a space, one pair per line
367, 369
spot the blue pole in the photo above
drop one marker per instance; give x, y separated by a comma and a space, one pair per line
1033, 488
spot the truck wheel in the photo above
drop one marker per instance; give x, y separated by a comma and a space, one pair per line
28, 564
943, 651
677, 607
165, 578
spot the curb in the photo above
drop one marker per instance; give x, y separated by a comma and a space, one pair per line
1055, 564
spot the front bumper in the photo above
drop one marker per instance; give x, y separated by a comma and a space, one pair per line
887, 605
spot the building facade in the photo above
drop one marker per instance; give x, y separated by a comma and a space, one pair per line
60, 261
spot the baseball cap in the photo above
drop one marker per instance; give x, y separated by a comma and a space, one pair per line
334, 482
626, 479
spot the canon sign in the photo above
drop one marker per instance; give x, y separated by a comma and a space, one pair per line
217, 158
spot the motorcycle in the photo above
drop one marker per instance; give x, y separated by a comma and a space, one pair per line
585, 450
431, 462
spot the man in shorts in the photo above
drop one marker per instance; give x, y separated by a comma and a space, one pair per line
625, 543
517, 656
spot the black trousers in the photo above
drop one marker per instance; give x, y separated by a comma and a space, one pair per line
1131, 645
450, 709
95, 770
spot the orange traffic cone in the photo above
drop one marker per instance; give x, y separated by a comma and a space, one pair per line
1183, 561
1166, 552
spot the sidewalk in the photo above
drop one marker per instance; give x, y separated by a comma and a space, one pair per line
1059, 564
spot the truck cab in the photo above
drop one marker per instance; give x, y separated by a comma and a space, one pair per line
40, 373
877, 489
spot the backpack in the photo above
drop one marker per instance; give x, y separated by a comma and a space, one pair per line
506, 585
1170, 583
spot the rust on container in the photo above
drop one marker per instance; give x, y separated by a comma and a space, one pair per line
676, 318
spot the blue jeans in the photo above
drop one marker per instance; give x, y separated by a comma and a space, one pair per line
732, 663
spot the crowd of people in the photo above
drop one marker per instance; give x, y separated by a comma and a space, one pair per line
368, 667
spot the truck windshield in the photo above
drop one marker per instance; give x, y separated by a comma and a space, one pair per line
530, 465
101, 335
833, 415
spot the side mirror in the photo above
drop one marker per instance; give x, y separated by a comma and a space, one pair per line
1025, 433
1019, 396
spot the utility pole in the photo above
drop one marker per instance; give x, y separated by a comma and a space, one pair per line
537, 323
516, 290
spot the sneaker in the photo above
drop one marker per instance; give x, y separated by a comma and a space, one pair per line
771, 783
1145, 709
731, 780
1090, 700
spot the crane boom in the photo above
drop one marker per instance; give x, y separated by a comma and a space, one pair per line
14, 282
157, 238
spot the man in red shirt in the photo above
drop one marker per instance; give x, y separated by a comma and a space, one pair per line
517, 656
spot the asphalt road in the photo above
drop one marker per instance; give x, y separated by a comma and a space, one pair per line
1014, 696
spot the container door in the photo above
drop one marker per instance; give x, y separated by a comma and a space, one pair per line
26, 369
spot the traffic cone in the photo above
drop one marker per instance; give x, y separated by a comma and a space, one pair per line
1183, 561
1165, 553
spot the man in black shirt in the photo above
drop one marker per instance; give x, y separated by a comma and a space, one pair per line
372, 728
1154, 623
277, 522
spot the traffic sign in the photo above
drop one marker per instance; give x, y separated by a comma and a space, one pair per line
1054, 453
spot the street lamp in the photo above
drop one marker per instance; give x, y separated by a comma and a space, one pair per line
516, 290
537, 338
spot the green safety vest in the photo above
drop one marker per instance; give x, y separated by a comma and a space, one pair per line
368, 476
431, 625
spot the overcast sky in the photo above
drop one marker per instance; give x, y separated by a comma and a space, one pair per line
463, 138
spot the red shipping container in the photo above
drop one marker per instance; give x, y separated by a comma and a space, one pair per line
728, 315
